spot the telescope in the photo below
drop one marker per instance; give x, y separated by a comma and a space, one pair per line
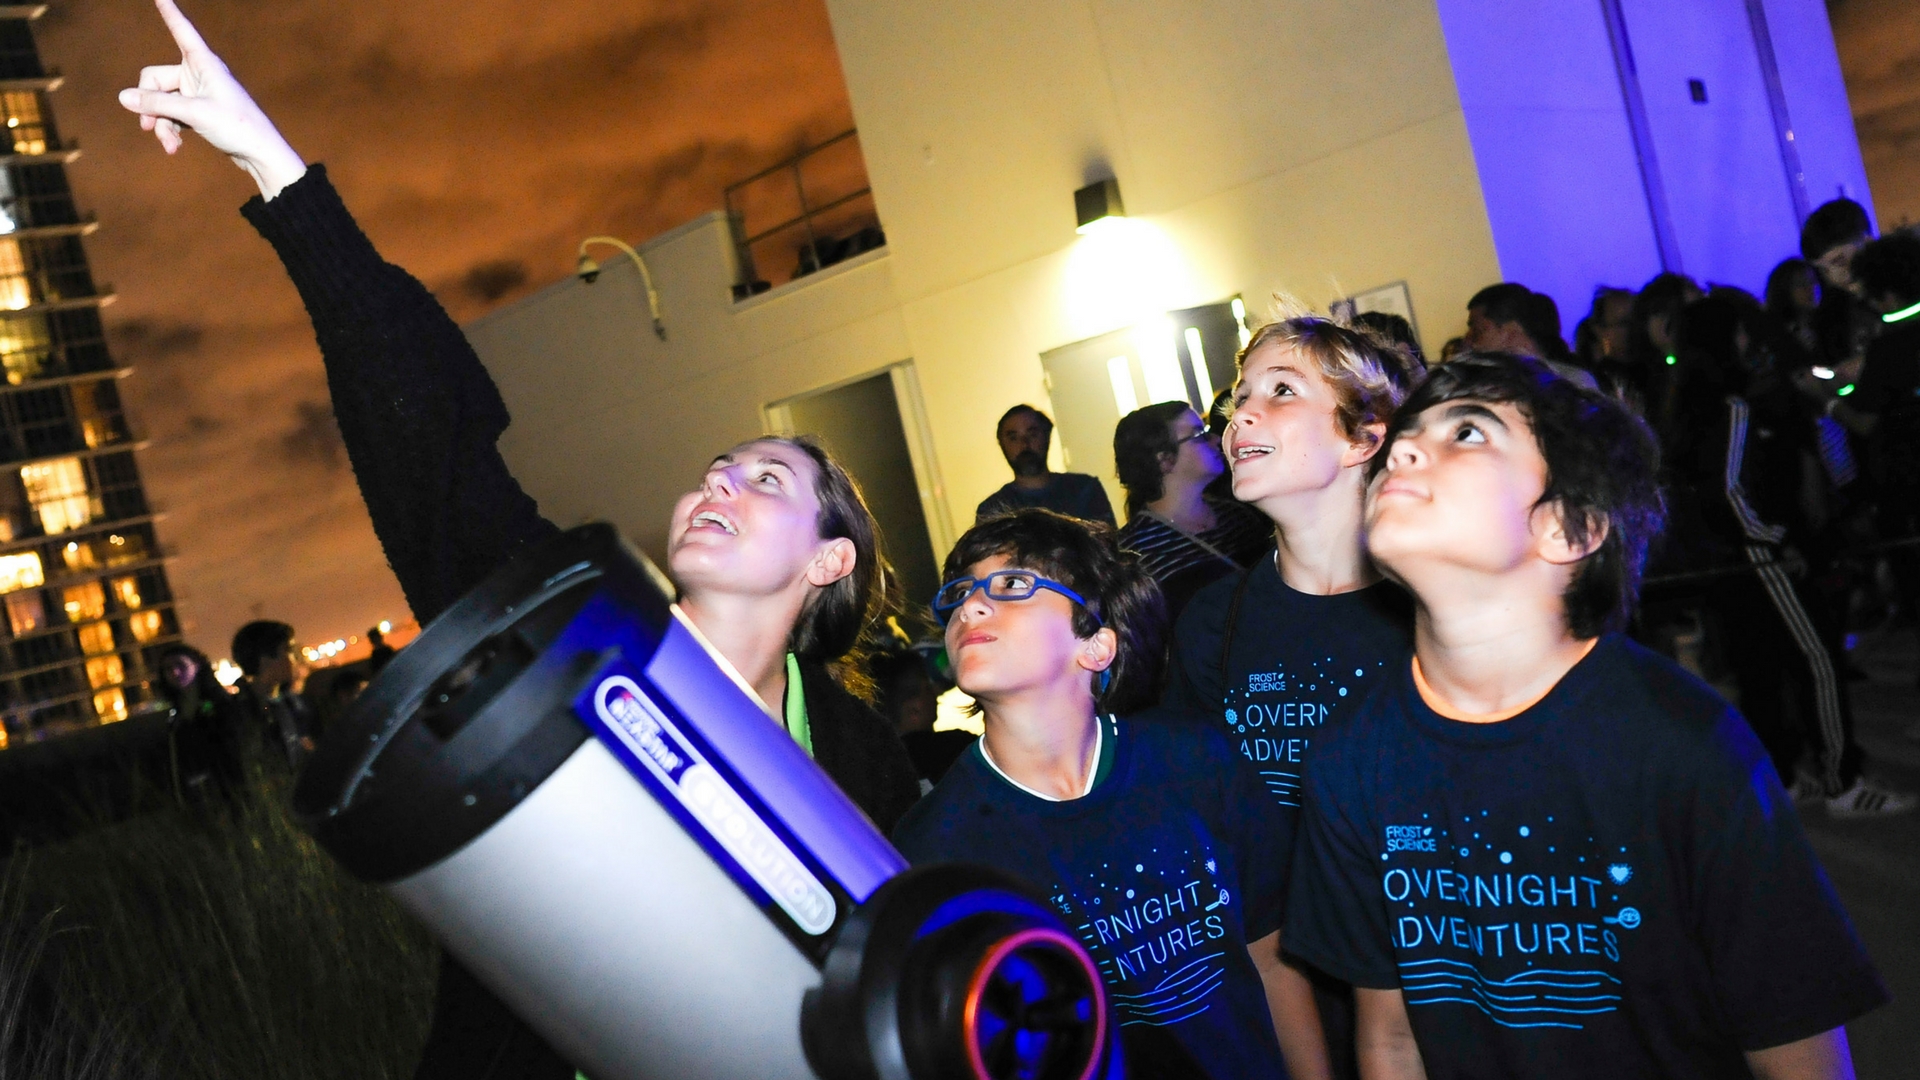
593, 813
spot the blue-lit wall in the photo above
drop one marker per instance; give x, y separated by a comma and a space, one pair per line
1554, 145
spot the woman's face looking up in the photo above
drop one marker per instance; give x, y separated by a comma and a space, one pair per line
752, 526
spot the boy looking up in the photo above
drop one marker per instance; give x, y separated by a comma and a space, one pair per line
1152, 838
1541, 850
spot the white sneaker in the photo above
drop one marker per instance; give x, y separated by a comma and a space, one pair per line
1867, 799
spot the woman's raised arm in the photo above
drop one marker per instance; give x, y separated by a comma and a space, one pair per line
418, 413
201, 94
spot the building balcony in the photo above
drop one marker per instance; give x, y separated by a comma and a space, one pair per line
64, 154
14, 457
99, 298
812, 211
74, 657
52, 80
86, 226
41, 382
92, 530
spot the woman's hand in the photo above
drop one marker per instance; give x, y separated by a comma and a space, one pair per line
200, 94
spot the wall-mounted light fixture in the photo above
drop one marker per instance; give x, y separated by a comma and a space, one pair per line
589, 272
1097, 202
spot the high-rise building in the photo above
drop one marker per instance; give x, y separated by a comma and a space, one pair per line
82, 578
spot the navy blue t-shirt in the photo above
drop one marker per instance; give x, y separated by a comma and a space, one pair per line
1298, 665
1166, 871
1611, 883
1073, 494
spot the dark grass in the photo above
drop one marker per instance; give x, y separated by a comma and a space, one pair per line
208, 942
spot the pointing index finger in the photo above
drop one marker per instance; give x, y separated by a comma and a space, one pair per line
184, 34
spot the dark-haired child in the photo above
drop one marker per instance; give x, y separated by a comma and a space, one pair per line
1540, 850
1152, 838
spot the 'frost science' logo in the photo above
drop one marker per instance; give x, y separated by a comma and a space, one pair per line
1410, 838
633, 719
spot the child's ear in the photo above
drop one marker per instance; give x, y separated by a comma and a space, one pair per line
1097, 653
834, 560
1366, 443
1556, 545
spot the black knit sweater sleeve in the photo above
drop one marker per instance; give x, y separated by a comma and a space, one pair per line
418, 413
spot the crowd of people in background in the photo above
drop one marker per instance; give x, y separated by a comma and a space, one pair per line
1789, 428
1392, 789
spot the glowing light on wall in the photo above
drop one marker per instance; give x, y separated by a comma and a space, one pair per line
1122, 273
226, 671
1197, 353
1159, 361
1120, 374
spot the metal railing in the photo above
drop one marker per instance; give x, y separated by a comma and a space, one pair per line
822, 236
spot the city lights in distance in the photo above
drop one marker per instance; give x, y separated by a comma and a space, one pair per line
326, 650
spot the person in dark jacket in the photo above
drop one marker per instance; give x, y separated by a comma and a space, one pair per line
1740, 445
206, 725
775, 553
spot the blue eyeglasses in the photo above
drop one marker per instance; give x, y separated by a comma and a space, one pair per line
1001, 585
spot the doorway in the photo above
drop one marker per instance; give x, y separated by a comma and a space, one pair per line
861, 423
1186, 355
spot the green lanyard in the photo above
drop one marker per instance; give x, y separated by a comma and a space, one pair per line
796, 707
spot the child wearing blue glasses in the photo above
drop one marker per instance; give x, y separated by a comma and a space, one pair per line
1152, 838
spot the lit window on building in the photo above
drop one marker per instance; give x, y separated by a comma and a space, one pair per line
106, 671
21, 571
25, 125
96, 638
111, 705
97, 407
78, 556
16, 291
83, 602
25, 345
26, 612
146, 626
127, 590
57, 491
128, 548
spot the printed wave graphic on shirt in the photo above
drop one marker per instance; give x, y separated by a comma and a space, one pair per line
1179, 995
1535, 998
1526, 924
1157, 929
1276, 733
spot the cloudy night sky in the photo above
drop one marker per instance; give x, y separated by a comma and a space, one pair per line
478, 141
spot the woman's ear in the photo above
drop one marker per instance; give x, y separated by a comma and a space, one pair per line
834, 560
1366, 443
1168, 461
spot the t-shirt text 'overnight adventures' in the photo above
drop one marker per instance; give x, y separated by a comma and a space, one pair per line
1296, 663
1167, 870
1611, 883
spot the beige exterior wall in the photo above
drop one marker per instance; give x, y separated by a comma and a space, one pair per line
1311, 148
